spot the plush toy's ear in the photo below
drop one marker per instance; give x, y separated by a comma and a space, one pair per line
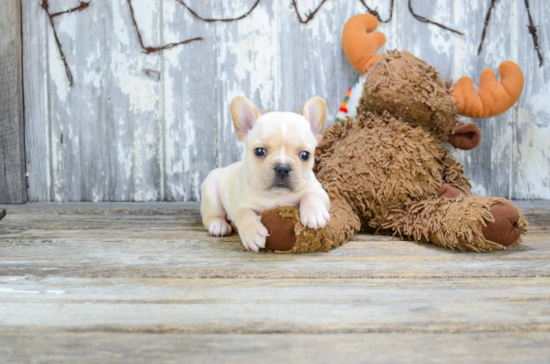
466, 137
315, 112
244, 115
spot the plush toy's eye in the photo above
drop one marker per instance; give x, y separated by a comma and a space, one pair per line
260, 152
304, 156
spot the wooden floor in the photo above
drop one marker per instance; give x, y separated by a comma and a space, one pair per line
131, 283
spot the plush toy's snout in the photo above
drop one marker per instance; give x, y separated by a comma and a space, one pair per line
465, 137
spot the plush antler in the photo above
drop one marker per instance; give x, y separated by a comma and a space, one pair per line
493, 97
359, 44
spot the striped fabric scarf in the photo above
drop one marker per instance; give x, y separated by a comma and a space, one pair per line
348, 108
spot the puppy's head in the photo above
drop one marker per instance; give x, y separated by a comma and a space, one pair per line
279, 145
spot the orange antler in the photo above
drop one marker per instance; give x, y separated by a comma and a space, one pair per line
493, 97
359, 44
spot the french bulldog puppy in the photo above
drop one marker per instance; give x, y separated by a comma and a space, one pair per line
277, 171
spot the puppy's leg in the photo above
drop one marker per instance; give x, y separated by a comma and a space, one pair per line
251, 230
314, 208
212, 211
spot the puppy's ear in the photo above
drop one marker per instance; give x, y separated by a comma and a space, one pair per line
244, 115
315, 112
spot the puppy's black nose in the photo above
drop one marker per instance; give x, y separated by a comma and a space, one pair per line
282, 170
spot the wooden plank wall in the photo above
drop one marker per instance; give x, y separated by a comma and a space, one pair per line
12, 147
137, 127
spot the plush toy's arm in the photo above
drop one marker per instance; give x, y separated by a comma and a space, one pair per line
493, 97
288, 235
453, 174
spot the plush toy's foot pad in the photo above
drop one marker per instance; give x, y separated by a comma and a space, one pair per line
281, 231
505, 229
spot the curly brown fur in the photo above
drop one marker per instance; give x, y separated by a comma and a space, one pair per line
453, 173
383, 171
369, 164
452, 223
389, 172
408, 87
344, 223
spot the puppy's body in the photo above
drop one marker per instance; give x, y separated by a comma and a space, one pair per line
277, 171
240, 194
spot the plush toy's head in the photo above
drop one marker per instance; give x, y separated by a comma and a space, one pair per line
408, 87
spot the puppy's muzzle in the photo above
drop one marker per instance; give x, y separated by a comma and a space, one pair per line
282, 171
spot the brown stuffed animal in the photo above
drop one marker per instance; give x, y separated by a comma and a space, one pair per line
386, 171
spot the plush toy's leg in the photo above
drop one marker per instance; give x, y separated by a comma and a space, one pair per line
343, 223
454, 175
471, 223
287, 234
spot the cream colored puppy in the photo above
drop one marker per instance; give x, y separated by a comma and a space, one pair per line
277, 171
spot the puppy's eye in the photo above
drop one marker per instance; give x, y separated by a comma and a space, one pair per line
260, 152
304, 156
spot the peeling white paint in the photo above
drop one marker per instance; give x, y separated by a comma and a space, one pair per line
55, 291
255, 52
253, 57
11, 290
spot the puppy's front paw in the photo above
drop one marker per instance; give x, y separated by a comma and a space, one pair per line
253, 236
314, 217
219, 228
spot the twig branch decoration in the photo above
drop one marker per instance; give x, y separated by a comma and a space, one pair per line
377, 14
308, 17
532, 29
46, 6
426, 20
225, 20
487, 19
148, 50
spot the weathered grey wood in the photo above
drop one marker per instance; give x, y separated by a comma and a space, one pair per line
531, 153
13, 187
112, 283
274, 348
252, 306
106, 128
93, 242
109, 208
150, 127
36, 89
192, 82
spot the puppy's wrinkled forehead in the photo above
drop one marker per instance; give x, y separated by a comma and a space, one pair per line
281, 128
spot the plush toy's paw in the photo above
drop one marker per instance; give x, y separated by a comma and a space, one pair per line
219, 228
314, 216
282, 236
505, 230
253, 236
288, 235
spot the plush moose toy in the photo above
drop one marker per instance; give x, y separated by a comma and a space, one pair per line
386, 171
